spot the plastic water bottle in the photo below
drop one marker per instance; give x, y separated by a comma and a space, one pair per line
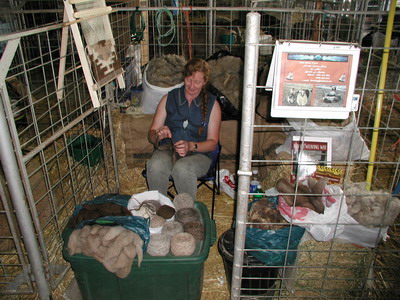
260, 191
254, 182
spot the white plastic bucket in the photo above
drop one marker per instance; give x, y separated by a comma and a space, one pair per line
152, 95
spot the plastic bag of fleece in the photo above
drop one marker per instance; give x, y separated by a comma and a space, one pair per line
225, 82
136, 224
335, 223
347, 143
274, 247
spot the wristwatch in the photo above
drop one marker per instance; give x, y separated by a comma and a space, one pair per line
195, 147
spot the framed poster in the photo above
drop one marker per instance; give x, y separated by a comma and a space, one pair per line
313, 80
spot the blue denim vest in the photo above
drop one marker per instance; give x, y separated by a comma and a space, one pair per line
183, 120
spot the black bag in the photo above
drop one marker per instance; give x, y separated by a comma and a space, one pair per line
229, 112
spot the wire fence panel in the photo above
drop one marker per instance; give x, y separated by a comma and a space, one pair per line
63, 150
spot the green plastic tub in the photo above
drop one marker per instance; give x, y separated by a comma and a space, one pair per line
158, 278
86, 149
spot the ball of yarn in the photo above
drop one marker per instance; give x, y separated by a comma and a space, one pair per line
165, 211
187, 214
195, 228
159, 244
156, 221
171, 228
183, 200
183, 244
154, 203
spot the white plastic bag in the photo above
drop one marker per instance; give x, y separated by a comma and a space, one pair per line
347, 143
227, 183
136, 200
334, 223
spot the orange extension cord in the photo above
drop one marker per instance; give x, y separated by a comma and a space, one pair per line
189, 30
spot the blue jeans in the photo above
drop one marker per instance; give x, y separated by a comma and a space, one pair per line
184, 171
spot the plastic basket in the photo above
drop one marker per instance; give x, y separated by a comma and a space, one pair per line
164, 277
86, 149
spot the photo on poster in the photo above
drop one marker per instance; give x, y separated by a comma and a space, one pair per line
297, 94
330, 95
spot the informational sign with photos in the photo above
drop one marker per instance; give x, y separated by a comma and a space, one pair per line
308, 153
313, 80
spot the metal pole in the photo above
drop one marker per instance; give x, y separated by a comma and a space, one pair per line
382, 83
211, 29
14, 181
113, 147
246, 145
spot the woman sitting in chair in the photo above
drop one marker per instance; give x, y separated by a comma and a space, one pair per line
184, 131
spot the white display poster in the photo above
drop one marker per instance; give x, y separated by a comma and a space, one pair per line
313, 80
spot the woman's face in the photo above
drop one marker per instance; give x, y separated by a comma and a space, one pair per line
194, 84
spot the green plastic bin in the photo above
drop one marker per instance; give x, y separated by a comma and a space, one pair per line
158, 278
86, 149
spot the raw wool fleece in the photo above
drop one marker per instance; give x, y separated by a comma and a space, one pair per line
115, 247
371, 208
265, 216
227, 77
166, 71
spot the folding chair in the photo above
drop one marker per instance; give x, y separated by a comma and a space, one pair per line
211, 176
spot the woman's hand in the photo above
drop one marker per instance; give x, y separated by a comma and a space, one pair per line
163, 133
182, 147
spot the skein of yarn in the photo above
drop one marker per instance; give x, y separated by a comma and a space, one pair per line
183, 244
171, 228
159, 244
165, 211
195, 228
183, 200
187, 214
156, 221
